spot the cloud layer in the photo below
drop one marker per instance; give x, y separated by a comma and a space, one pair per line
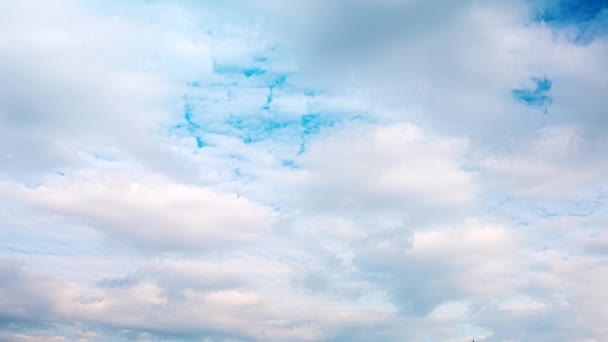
303, 171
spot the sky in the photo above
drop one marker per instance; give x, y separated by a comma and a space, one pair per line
307, 170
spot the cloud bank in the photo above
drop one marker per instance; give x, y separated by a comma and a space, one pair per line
303, 171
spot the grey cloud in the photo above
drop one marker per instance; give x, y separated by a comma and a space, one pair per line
23, 297
249, 311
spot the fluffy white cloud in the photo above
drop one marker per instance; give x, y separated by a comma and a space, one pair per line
150, 210
380, 169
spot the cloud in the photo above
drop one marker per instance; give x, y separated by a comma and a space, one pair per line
243, 313
17, 286
379, 169
19, 337
303, 171
415, 67
150, 210
562, 162
444, 265
74, 80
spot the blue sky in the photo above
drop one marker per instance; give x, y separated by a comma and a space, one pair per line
336, 170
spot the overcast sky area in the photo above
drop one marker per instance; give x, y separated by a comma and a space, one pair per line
315, 170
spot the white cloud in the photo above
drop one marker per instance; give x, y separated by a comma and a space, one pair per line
562, 162
74, 80
373, 169
250, 312
150, 210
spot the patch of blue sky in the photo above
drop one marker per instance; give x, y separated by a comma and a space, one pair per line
537, 97
234, 75
589, 17
239, 77
216, 115
312, 123
200, 143
287, 129
302, 148
225, 104
248, 72
253, 72
259, 72
256, 128
572, 11
277, 83
190, 124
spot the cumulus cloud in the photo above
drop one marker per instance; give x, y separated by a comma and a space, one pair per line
393, 168
150, 210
